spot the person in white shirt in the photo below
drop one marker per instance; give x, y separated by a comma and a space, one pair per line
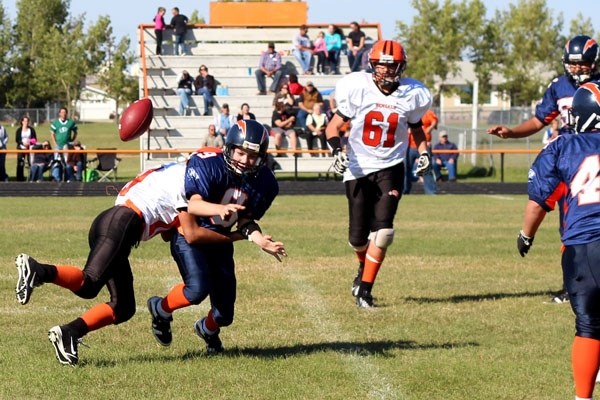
381, 106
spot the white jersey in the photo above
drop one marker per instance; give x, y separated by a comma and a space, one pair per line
156, 195
379, 123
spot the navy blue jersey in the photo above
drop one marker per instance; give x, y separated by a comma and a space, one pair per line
572, 161
556, 102
208, 176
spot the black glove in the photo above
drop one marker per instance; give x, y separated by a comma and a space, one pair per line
423, 164
524, 243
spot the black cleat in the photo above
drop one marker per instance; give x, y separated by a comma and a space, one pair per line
65, 345
161, 327
357, 279
28, 270
364, 300
213, 342
561, 297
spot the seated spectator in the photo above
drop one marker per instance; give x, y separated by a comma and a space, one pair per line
75, 163
333, 42
296, 89
212, 139
40, 162
356, 46
184, 91
57, 168
445, 160
344, 130
206, 87
284, 97
268, 66
245, 112
315, 128
320, 51
283, 126
224, 120
307, 101
302, 50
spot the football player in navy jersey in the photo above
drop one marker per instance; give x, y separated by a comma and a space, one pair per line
572, 162
580, 61
225, 189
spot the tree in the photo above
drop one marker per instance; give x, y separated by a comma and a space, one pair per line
5, 46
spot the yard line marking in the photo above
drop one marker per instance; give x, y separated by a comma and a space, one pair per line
367, 373
498, 197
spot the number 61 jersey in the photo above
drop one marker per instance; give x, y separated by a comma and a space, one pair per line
575, 161
379, 127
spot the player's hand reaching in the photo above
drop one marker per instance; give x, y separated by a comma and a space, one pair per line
226, 210
423, 164
524, 243
340, 161
276, 249
500, 130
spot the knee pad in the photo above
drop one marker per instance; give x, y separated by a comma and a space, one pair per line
382, 238
359, 248
89, 289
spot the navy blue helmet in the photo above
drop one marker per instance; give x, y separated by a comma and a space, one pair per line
248, 135
581, 50
585, 110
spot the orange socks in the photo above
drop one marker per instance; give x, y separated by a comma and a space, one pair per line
99, 316
361, 255
69, 277
372, 266
175, 299
209, 323
585, 360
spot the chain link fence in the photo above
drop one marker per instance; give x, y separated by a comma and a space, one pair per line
11, 116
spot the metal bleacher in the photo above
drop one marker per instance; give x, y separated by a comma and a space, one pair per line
231, 55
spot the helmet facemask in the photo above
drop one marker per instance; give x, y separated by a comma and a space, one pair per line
237, 167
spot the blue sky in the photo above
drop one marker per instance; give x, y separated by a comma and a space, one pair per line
126, 15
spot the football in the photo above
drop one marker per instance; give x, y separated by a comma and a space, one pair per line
136, 119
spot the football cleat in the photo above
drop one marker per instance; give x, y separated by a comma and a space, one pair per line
161, 327
213, 342
65, 344
357, 279
364, 300
561, 297
28, 277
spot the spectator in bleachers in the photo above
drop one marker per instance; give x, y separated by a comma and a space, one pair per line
303, 50
179, 25
245, 113
356, 46
184, 91
282, 123
333, 42
307, 101
159, 27
75, 163
224, 120
206, 87
212, 139
40, 161
320, 51
3, 143
268, 66
296, 89
315, 128
344, 130
284, 97
445, 160
24, 134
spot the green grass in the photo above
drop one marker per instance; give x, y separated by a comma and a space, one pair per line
461, 316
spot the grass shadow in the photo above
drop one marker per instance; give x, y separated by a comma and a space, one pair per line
477, 297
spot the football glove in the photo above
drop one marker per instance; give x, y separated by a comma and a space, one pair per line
524, 243
340, 161
423, 164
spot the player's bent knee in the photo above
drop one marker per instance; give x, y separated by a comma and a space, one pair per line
382, 238
358, 247
124, 313
89, 289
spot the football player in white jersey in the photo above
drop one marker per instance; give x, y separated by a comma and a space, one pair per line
381, 106
152, 203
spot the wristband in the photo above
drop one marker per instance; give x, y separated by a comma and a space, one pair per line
334, 143
248, 228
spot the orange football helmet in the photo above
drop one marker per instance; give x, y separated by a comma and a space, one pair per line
391, 54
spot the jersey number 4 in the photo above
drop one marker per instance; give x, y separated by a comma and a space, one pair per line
586, 183
374, 131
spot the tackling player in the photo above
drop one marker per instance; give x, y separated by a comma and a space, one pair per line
580, 61
381, 105
574, 161
224, 189
150, 204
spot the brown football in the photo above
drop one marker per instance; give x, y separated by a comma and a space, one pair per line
136, 119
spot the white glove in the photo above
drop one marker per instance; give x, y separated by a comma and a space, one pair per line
340, 161
423, 164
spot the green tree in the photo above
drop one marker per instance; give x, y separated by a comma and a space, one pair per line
6, 42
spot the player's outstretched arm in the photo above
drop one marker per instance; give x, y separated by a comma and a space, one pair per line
195, 234
201, 208
250, 230
525, 129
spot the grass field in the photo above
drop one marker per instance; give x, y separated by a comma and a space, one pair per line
461, 315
